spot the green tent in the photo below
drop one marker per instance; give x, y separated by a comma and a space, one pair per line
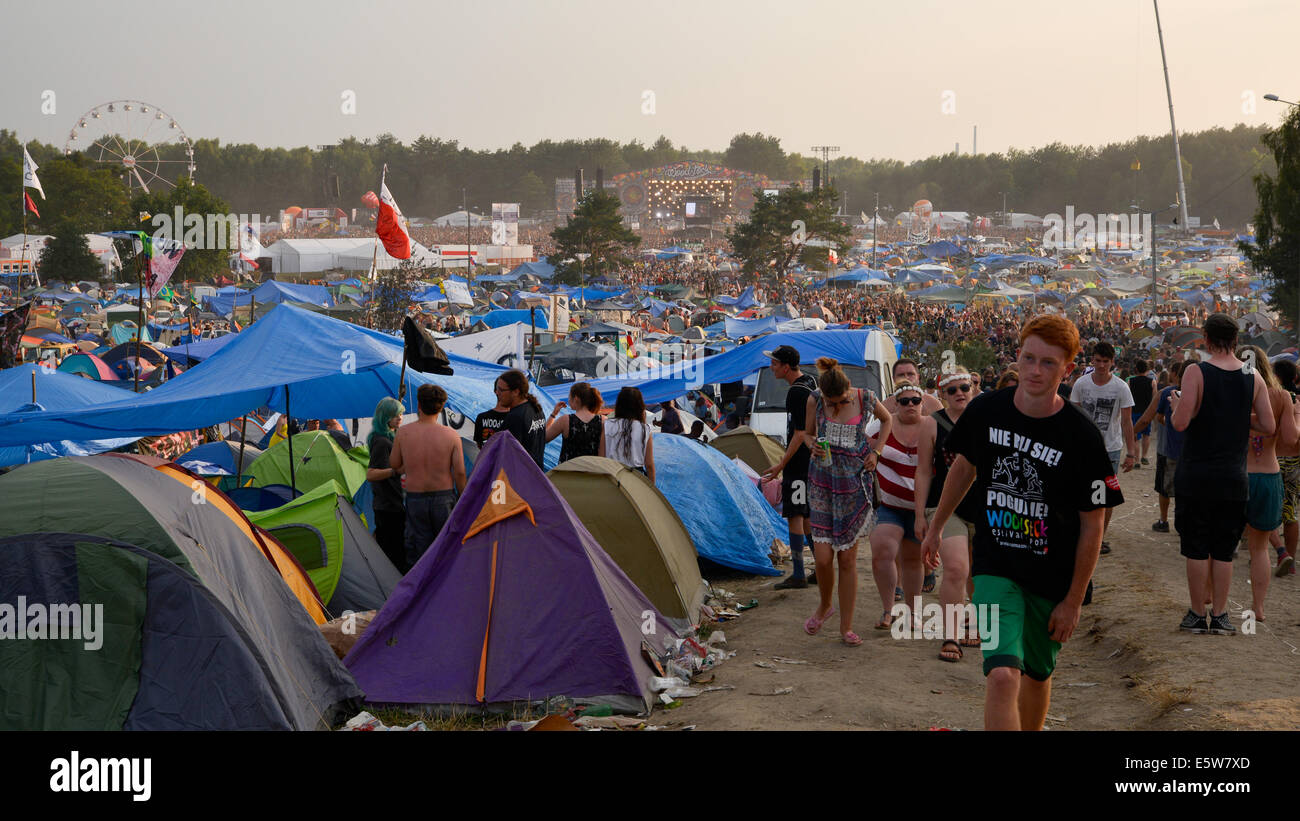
157, 546
758, 450
639, 530
328, 538
317, 459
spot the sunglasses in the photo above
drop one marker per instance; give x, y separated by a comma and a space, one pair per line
903, 401
964, 388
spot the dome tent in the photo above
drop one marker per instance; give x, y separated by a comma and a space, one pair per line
514, 602
639, 530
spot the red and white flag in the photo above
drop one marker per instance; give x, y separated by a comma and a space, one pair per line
389, 226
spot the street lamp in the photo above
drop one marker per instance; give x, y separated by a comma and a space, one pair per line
1276, 99
469, 260
1155, 298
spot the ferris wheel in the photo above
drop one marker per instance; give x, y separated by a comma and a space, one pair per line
139, 141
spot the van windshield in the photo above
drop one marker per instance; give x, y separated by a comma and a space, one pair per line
770, 394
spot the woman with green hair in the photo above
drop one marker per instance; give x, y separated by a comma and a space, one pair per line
390, 512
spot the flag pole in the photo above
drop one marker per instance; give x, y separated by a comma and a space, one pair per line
243, 436
288, 434
139, 331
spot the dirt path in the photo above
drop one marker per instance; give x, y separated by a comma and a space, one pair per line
1127, 667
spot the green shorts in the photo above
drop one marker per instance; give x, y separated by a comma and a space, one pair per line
1020, 637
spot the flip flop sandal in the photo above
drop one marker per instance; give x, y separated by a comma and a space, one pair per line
946, 643
928, 586
885, 621
852, 639
898, 594
814, 624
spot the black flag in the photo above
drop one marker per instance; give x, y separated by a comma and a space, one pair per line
422, 351
12, 326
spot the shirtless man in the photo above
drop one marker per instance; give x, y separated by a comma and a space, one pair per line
431, 456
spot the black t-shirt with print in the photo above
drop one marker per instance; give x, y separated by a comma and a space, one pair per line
1033, 477
487, 423
529, 427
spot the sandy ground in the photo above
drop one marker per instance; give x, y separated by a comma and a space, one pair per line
1127, 667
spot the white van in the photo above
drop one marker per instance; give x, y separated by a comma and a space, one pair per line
768, 413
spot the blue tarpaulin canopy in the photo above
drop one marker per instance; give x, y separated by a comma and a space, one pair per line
195, 352
333, 369
504, 316
670, 382
55, 390
541, 270
745, 300
277, 292
942, 248
736, 328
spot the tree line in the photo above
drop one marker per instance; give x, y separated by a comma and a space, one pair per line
428, 175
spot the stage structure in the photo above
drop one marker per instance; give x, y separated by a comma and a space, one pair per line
695, 193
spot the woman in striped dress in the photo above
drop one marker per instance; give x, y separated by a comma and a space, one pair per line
901, 517
839, 492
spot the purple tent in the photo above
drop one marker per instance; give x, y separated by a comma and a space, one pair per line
515, 601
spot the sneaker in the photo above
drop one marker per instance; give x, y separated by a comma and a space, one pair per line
1221, 625
1285, 565
1194, 623
1105, 548
1161, 527
791, 583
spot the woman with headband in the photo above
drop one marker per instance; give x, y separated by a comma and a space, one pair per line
901, 517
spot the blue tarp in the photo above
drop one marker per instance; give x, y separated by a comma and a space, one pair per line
848, 347
542, 270
196, 352
728, 519
55, 390
657, 308
335, 370
736, 328
745, 300
502, 316
941, 249
277, 292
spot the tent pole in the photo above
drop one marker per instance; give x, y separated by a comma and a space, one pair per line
33, 387
139, 331
243, 435
288, 430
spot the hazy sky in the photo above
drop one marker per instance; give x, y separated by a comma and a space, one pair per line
871, 76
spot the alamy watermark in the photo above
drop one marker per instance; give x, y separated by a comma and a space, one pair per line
933, 621
1080, 232
23, 620
203, 232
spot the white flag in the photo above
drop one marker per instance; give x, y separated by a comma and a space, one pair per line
1216, 224
29, 173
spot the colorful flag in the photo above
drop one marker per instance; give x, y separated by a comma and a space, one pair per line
163, 255
389, 227
31, 206
29, 173
12, 326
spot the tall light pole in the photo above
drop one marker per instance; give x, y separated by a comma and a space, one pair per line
1155, 298
1178, 157
469, 262
875, 218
